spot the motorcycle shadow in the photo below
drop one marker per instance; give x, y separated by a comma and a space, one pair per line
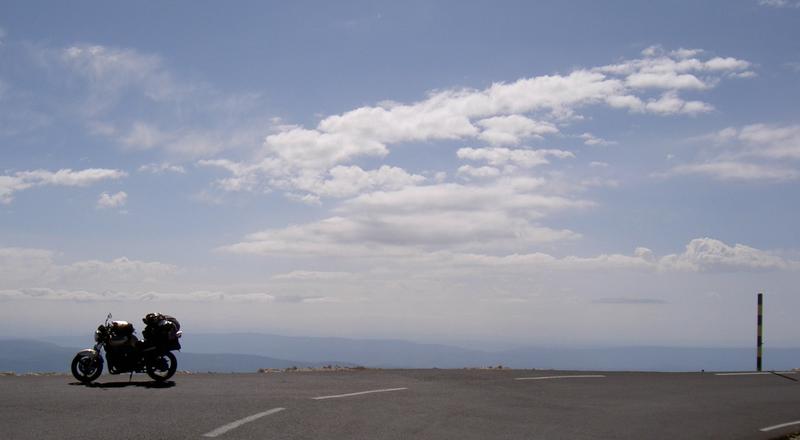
152, 384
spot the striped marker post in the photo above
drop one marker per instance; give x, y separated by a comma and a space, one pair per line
759, 340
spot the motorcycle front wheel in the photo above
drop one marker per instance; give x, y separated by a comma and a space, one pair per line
87, 367
162, 367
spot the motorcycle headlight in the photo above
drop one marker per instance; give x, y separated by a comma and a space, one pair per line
96, 336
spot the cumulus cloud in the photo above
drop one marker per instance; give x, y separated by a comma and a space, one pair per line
387, 264
510, 130
700, 255
107, 200
708, 254
21, 180
499, 157
23, 267
421, 252
670, 103
755, 152
501, 214
501, 114
338, 182
484, 172
346, 181
769, 140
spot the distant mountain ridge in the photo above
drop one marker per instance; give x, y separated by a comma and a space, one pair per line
404, 354
250, 351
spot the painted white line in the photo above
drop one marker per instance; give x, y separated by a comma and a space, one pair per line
753, 373
233, 425
358, 393
782, 425
559, 377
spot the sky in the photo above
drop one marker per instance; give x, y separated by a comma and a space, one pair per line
493, 173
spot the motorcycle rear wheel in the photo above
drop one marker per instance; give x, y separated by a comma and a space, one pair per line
162, 367
87, 367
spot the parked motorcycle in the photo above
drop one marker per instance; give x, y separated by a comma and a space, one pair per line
125, 353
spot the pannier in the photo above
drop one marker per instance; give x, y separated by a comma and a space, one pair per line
162, 330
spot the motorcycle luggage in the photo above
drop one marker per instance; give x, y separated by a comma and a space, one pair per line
155, 319
162, 331
121, 328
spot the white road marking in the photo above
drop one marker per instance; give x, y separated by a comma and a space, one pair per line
559, 377
782, 425
358, 393
233, 425
753, 373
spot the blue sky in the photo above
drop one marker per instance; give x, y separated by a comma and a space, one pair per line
512, 172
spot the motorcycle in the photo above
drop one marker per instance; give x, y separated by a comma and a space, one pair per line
125, 353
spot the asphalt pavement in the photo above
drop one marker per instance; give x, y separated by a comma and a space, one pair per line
404, 404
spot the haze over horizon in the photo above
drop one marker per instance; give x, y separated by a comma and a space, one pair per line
514, 173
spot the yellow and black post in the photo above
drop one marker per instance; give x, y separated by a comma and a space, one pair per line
759, 340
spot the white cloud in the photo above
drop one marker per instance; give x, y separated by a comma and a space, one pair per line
779, 3
303, 275
504, 113
518, 157
161, 168
499, 215
510, 130
478, 172
21, 180
665, 80
345, 239
143, 136
590, 139
107, 200
730, 170
119, 270
24, 267
707, 254
771, 141
765, 152
87, 295
669, 104
387, 267
398, 235
342, 181
183, 117
23, 264
112, 71
68, 177
700, 255
686, 53
338, 182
